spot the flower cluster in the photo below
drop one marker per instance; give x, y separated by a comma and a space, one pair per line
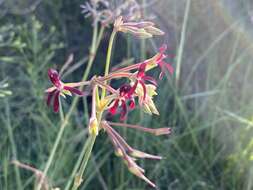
140, 87
105, 11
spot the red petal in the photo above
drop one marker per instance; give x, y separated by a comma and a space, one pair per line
56, 101
169, 68
54, 77
144, 89
150, 79
49, 97
132, 104
113, 109
163, 48
123, 111
73, 90
161, 75
132, 90
163, 65
141, 71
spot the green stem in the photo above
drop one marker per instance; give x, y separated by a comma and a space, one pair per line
78, 179
182, 42
108, 58
12, 144
84, 150
94, 47
92, 54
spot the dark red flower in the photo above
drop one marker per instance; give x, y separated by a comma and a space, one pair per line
58, 89
124, 95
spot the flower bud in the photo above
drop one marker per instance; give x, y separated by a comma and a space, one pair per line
142, 29
93, 126
140, 154
118, 152
78, 181
154, 31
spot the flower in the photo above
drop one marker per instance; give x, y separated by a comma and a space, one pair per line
142, 29
60, 88
125, 94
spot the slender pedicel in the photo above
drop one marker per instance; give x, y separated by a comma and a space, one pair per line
157, 132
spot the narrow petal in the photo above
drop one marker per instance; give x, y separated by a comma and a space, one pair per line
113, 109
51, 89
132, 104
56, 101
144, 89
141, 71
169, 68
161, 75
54, 77
165, 66
150, 79
123, 111
73, 90
163, 48
49, 97
132, 90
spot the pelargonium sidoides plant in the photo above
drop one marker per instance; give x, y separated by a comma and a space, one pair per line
140, 87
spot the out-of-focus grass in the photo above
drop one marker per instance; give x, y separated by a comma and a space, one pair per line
210, 112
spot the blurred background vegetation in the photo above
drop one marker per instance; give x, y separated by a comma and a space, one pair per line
209, 107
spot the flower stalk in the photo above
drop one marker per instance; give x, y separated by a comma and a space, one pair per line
108, 58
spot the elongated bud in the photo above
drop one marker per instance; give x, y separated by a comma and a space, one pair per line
133, 167
162, 131
138, 173
142, 34
142, 24
154, 31
93, 126
140, 154
143, 29
119, 152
